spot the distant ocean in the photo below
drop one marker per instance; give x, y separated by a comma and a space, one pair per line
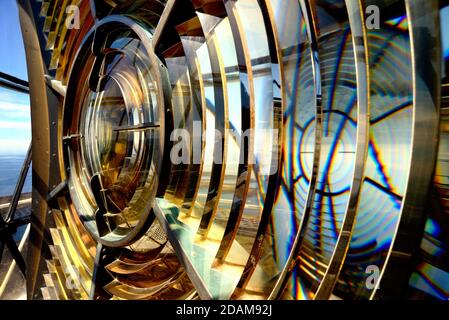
10, 167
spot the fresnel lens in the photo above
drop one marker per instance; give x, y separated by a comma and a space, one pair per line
247, 149
114, 111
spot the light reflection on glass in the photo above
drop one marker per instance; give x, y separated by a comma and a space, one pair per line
388, 157
257, 138
298, 139
255, 65
432, 269
116, 140
337, 151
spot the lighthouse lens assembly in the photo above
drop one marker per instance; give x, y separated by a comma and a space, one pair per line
114, 137
255, 149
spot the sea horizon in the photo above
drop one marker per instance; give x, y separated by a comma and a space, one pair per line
10, 166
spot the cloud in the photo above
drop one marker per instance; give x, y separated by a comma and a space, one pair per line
14, 146
20, 125
14, 97
10, 110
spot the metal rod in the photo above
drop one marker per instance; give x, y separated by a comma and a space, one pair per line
13, 263
166, 14
13, 86
138, 127
7, 239
14, 80
13, 83
19, 186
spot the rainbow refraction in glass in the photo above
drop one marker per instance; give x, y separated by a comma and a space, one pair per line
431, 270
249, 149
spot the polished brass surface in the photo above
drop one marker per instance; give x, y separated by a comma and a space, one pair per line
238, 149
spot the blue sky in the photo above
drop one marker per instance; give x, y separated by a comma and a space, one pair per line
444, 18
15, 126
